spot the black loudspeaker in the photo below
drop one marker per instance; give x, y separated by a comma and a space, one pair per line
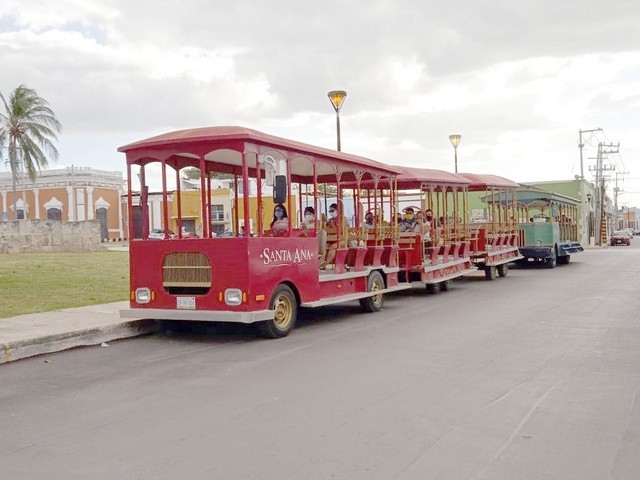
280, 189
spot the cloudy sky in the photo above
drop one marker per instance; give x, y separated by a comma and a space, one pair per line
517, 80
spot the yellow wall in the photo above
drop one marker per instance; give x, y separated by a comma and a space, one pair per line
191, 202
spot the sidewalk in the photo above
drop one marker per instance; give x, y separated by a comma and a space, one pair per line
39, 333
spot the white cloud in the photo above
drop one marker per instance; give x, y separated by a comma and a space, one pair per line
516, 80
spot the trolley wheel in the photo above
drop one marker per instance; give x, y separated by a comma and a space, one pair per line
503, 270
490, 272
374, 303
551, 262
285, 307
446, 285
433, 288
563, 260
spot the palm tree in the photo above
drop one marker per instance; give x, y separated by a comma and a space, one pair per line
27, 127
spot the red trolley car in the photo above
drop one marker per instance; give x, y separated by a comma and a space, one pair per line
258, 276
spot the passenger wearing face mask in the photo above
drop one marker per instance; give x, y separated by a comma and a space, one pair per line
337, 222
308, 226
309, 222
280, 223
409, 222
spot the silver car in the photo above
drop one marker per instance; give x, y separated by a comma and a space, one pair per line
158, 234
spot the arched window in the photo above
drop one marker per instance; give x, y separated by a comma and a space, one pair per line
54, 214
54, 209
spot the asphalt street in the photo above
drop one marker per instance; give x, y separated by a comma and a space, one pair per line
533, 376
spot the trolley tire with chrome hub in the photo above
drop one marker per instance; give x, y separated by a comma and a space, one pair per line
374, 303
285, 306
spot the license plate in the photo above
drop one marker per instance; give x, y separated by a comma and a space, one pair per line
186, 303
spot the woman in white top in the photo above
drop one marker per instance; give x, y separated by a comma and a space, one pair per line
309, 225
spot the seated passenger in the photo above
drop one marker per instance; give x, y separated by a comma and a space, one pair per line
309, 225
423, 226
368, 220
428, 217
280, 223
408, 224
337, 223
309, 222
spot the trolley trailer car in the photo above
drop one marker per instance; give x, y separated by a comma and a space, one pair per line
495, 240
437, 250
259, 276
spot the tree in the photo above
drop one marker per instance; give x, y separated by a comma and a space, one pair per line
27, 128
192, 173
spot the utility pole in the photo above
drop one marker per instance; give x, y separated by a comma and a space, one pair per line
600, 188
584, 240
616, 192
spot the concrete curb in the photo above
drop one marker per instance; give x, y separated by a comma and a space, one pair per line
12, 351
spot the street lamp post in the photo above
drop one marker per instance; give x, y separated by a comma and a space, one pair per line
455, 140
337, 99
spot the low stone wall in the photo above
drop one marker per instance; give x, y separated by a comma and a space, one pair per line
35, 236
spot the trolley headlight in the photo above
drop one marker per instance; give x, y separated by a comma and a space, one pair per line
233, 296
143, 295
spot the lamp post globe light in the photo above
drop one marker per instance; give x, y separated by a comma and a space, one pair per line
455, 140
336, 97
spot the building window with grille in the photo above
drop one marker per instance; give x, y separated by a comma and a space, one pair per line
54, 214
217, 213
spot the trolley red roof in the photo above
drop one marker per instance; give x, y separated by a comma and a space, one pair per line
413, 177
484, 182
222, 144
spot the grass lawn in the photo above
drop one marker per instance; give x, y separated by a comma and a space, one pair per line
42, 282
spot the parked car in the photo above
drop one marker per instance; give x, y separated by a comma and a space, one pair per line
158, 234
628, 231
636, 232
620, 237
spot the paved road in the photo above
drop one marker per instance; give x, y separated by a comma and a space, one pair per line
536, 376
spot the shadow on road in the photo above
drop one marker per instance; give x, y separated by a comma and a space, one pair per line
314, 317
225, 332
